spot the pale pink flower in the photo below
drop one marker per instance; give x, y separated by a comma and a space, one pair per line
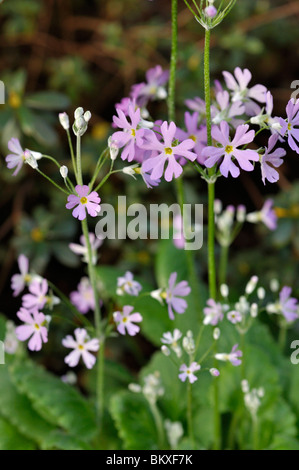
34, 328
188, 372
81, 345
83, 298
127, 284
84, 202
19, 281
126, 321
38, 295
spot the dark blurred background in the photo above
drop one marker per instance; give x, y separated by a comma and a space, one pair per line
89, 54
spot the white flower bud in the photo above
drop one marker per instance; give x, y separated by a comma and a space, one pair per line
217, 206
254, 310
134, 388
261, 293
245, 386
113, 147
165, 350
64, 120
87, 116
216, 334
78, 113
251, 285
241, 214
29, 158
64, 171
224, 291
188, 343
130, 170
274, 285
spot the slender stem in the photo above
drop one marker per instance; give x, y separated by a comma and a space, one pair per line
282, 337
223, 264
173, 60
51, 181
255, 433
79, 166
211, 227
189, 414
99, 165
159, 424
72, 153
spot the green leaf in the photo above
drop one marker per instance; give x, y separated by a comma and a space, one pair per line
59, 440
11, 439
48, 100
134, 421
43, 132
56, 401
18, 410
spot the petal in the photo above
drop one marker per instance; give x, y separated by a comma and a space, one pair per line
73, 358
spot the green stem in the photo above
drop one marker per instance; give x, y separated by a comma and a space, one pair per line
53, 182
189, 414
159, 424
282, 337
98, 168
255, 433
79, 167
223, 264
72, 153
211, 227
173, 60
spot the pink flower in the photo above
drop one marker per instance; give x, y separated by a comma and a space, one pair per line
234, 317
173, 294
82, 249
228, 111
232, 357
83, 298
84, 201
81, 345
34, 327
19, 281
130, 137
37, 297
214, 372
19, 156
268, 215
238, 84
288, 304
271, 158
156, 78
213, 313
188, 372
197, 134
126, 321
127, 284
167, 153
291, 126
230, 149
210, 11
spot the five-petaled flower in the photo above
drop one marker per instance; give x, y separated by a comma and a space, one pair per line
213, 313
19, 281
37, 297
127, 284
288, 305
232, 357
188, 372
34, 328
84, 202
173, 294
19, 156
81, 345
126, 320
83, 298
167, 153
229, 149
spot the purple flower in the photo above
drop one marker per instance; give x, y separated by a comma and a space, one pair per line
197, 104
19, 156
83, 298
34, 328
288, 304
268, 215
37, 297
127, 284
167, 153
81, 345
188, 372
82, 249
19, 281
156, 78
126, 321
232, 357
291, 125
228, 111
130, 137
83, 201
238, 85
271, 158
230, 149
210, 11
234, 317
173, 294
198, 135
214, 372
213, 313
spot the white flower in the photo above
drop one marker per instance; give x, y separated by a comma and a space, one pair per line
172, 340
174, 431
81, 346
64, 120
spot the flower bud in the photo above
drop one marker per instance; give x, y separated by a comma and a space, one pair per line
216, 334
64, 120
64, 171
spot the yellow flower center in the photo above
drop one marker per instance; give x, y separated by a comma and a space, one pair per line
188, 371
37, 235
133, 132
14, 100
168, 150
289, 126
192, 137
125, 319
36, 326
84, 200
229, 149
163, 295
80, 347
